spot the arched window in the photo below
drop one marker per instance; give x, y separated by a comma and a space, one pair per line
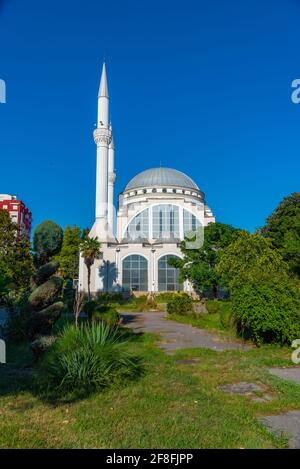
168, 276
135, 273
190, 222
165, 221
138, 227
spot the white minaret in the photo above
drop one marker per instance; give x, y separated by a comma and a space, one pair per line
111, 183
102, 138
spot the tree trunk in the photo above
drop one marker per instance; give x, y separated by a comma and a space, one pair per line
89, 281
215, 291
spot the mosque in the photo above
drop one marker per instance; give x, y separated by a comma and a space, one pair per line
156, 209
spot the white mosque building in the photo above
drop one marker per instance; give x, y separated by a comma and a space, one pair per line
156, 209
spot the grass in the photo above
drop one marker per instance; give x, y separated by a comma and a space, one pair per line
217, 319
171, 406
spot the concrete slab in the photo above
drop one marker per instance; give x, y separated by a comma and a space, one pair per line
291, 374
287, 424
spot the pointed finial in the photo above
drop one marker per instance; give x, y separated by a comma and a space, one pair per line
103, 89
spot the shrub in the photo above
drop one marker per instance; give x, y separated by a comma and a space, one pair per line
87, 359
89, 307
180, 304
45, 272
14, 330
107, 297
268, 310
165, 297
41, 344
41, 322
45, 294
69, 295
107, 315
212, 307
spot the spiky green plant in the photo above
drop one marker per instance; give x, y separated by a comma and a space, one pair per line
87, 359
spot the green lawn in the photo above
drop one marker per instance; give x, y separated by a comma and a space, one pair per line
171, 406
217, 320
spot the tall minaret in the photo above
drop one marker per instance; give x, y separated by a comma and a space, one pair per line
102, 138
111, 183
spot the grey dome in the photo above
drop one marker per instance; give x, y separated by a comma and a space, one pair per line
161, 177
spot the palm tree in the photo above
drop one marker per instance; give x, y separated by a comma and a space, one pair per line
90, 250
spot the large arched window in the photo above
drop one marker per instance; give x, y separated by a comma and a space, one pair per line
138, 228
135, 273
165, 221
168, 276
169, 223
190, 222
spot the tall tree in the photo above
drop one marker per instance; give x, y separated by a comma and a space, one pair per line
90, 251
249, 257
69, 255
47, 241
198, 265
283, 228
16, 265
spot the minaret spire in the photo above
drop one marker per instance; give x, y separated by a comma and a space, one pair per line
103, 88
103, 100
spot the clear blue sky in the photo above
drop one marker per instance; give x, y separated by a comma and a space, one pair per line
201, 86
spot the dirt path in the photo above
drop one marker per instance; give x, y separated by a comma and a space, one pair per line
175, 335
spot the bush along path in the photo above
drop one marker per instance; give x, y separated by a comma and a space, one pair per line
175, 335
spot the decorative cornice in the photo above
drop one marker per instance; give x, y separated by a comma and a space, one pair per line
112, 177
102, 136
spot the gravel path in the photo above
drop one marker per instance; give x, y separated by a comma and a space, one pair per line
175, 335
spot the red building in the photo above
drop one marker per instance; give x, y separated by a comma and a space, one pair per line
17, 210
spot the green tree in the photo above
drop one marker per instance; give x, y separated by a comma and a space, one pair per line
47, 241
283, 228
245, 258
198, 265
266, 308
68, 257
90, 251
16, 265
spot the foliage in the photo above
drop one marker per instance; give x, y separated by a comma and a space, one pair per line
180, 304
14, 329
44, 308
198, 265
69, 295
16, 265
87, 359
110, 297
90, 251
45, 272
242, 259
283, 228
44, 295
4, 286
108, 315
223, 309
42, 322
164, 297
267, 309
41, 344
69, 254
47, 241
